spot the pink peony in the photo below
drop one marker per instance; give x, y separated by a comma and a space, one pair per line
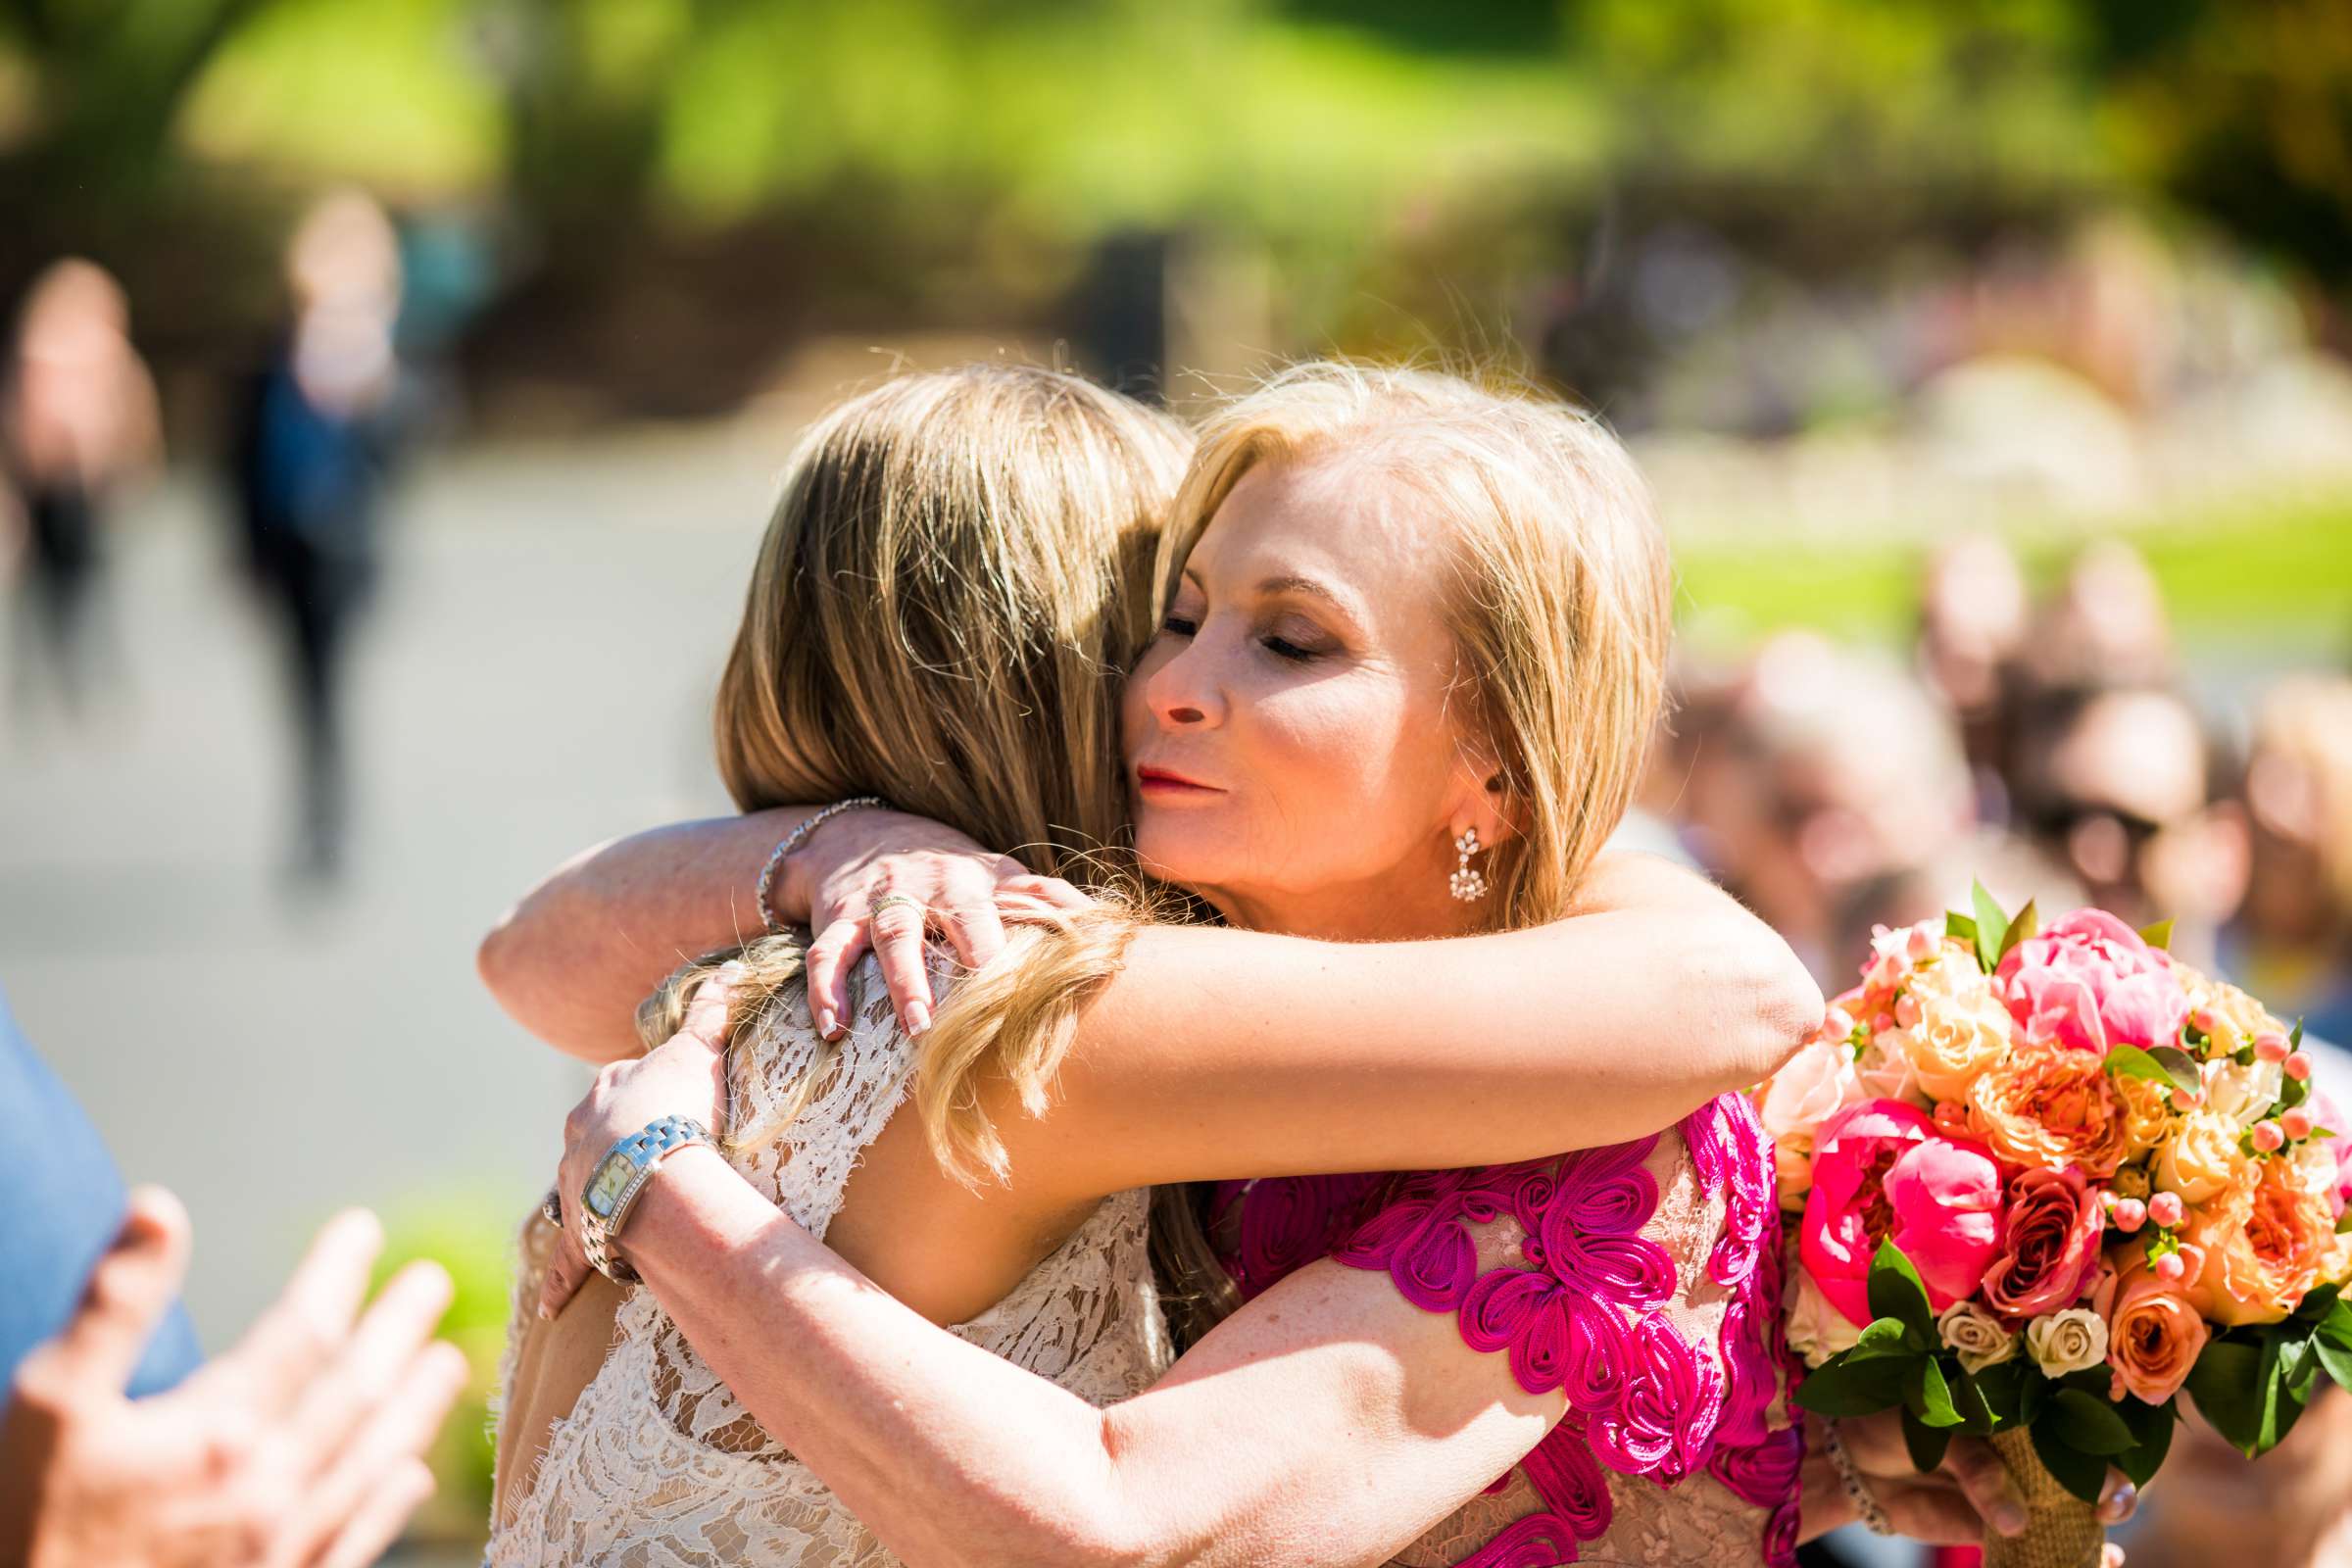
2088, 981
2049, 1244
1882, 1172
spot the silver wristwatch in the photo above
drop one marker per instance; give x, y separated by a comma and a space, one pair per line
606, 1202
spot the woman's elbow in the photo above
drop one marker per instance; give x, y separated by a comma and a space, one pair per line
1773, 1006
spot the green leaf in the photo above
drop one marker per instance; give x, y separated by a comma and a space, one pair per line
2336, 1324
2001, 1388
1959, 927
2225, 1384
2089, 1423
1992, 926
2298, 1365
2083, 1473
2292, 1092
2129, 1061
2335, 1359
2281, 1408
1925, 1442
1930, 1394
2294, 1038
2019, 929
1886, 1338
2179, 1066
2159, 935
1896, 1292
2318, 1304
1976, 1411
2343, 1222
1840, 1389
2152, 1425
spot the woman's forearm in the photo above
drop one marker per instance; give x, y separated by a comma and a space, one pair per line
572, 959
952, 1455
1194, 1059
1329, 1423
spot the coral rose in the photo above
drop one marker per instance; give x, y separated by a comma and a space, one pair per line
1962, 1028
2089, 982
1882, 1172
2154, 1334
2265, 1245
2053, 1107
2049, 1244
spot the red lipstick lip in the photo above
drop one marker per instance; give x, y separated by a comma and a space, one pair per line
1159, 779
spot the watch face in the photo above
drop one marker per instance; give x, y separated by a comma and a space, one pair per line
611, 1177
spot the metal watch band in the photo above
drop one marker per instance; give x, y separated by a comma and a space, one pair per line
645, 1150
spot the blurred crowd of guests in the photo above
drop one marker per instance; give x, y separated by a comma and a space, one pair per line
317, 420
2049, 747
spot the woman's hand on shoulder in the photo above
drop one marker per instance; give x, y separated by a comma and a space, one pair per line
887, 881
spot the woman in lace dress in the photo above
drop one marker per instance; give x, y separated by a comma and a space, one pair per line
1611, 1363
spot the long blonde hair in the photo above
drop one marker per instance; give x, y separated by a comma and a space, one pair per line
1560, 606
955, 576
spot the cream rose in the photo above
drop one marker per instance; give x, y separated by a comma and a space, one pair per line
1977, 1335
2066, 1342
2201, 1157
2244, 1094
1817, 1330
1815, 1085
1961, 1028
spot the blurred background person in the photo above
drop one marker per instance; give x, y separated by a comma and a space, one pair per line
1815, 782
2291, 943
1972, 630
79, 426
2124, 788
320, 426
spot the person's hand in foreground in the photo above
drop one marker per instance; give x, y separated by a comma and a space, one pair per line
1958, 1503
299, 1448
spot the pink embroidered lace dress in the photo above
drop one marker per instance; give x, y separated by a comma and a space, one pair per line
1641, 1280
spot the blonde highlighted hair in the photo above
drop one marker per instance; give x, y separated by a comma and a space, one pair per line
1559, 600
955, 576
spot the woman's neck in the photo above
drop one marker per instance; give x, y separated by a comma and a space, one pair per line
1366, 913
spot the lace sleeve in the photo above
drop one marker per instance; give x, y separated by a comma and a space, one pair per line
1639, 1281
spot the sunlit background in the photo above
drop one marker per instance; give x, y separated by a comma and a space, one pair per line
1870, 284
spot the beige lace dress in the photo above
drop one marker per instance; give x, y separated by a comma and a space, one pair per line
658, 1466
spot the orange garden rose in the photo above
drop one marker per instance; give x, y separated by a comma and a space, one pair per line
2266, 1243
2154, 1334
2053, 1107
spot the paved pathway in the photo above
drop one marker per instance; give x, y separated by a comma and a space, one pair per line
537, 676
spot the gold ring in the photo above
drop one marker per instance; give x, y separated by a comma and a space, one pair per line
885, 901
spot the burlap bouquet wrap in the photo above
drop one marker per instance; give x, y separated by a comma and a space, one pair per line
2062, 1530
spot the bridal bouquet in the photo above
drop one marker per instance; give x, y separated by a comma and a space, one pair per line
2041, 1182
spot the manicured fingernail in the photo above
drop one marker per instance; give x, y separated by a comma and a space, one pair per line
2118, 1507
827, 1026
546, 1312
918, 1019
2009, 1519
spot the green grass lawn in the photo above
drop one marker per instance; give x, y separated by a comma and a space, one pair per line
2239, 571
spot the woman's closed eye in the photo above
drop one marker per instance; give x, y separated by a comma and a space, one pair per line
1282, 648
1176, 625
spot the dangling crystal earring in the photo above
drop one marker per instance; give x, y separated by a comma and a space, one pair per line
1468, 883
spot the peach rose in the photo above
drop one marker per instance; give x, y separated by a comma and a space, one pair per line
2147, 1116
2239, 1016
2265, 1245
2154, 1335
2201, 1159
1962, 1030
2053, 1107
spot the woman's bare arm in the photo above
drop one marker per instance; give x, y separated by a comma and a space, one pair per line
572, 959
1217, 1053
1330, 1422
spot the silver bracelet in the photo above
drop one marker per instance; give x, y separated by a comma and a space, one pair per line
766, 891
1857, 1491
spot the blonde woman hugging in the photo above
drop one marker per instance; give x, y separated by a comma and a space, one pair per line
1364, 681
